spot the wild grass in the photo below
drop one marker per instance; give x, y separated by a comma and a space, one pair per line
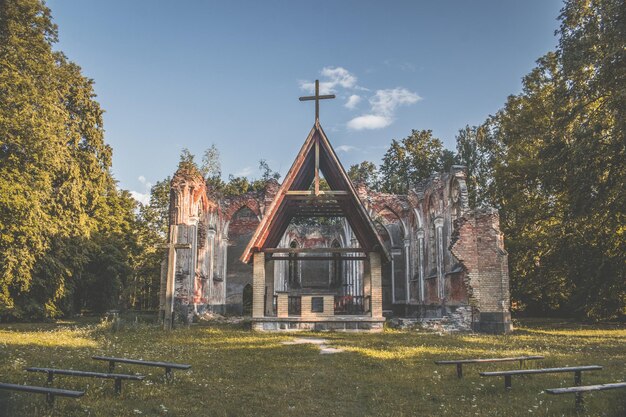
237, 372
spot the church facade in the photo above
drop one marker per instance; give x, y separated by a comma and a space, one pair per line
425, 255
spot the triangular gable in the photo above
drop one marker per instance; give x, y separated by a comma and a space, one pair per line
295, 199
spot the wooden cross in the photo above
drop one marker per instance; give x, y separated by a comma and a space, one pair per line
317, 99
168, 321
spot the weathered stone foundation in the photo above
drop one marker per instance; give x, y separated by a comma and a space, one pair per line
336, 324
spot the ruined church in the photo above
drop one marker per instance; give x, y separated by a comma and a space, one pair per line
313, 254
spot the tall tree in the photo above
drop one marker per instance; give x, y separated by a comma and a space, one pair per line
478, 150
366, 173
411, 160
560, 175
54, 164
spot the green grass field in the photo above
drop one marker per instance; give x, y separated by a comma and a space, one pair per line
238, 372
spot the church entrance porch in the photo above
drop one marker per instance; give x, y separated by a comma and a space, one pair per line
317, 307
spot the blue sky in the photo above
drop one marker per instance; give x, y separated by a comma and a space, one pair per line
191, 73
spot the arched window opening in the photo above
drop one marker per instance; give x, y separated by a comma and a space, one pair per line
247, 300
294, 278
455, 204
432, 237
337, 267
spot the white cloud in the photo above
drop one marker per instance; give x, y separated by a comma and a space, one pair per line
333, 77
353, 101
386, 101
245, 172
383, 103
143, 198
339, 76
345, 148
369, 121
383, 106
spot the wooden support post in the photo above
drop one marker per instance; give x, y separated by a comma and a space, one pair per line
376, 285
317, 165
168, 316
118, 385
258, 285
50, 377
580, 402
507, 381
459, 370
578, 378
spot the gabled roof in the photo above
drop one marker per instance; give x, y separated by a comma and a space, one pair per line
294, 198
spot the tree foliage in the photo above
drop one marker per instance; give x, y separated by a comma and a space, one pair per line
553, 161
365, 172
67, 234
478, 151
411, 160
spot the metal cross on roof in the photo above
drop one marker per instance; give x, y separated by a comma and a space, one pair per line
317, 99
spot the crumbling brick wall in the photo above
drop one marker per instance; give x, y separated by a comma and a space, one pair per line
478, 244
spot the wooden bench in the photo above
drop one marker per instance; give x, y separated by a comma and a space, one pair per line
51, 393
459, 363
168, 366
117, 377
578, 370
579, 391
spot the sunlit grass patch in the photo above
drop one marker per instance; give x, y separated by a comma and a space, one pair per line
238, 372
62, 337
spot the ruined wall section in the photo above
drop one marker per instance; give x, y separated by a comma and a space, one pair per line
241, 216
479, 245
189, 212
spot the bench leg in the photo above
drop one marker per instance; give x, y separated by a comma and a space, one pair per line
459, 370
168, 374
578, 378
111, 366
50, 399
580, 402
507, 381
118, 385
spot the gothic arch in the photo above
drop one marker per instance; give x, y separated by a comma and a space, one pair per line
241, 221
236, 205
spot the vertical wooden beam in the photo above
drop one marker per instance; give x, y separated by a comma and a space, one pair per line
317, 100
376, 285
317, 165
258, 285
171, 280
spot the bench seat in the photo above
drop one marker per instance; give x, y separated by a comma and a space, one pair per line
580, 390
72, 372
51, 393
459, 362
167, 365
576, 369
